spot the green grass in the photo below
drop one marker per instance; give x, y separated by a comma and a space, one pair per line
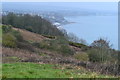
33, 70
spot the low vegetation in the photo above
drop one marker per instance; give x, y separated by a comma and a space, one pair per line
82, 56
79, 45
10, 37
60, 45
33, 70
49, 36
101, 52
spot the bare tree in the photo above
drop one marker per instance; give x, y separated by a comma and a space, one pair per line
100, 50
72, 37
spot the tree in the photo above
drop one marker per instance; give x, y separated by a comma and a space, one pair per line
101, 43
72, 37
100, 51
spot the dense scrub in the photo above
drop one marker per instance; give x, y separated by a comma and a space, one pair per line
60, 45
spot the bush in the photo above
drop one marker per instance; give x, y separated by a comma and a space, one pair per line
49, 36
10, 37
9, 41
60, 45
82, 56
98, 55
6, 28
65, 49
100, 51
17, 35
43, 44
79, 45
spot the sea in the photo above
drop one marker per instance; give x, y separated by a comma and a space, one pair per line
91, 28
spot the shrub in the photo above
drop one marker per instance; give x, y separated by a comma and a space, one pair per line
60, 45
17, 35
81, 56
98, 55
10, 37
9, 41
49, 36
6, 28
65, 49
43, 44
79, 45
100, 51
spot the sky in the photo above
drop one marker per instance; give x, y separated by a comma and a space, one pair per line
94, 6
60, 0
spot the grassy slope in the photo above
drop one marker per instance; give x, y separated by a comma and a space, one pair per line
33, 70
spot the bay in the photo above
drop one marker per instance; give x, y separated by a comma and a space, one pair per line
91, 28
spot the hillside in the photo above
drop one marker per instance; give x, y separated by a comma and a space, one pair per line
26, 51
31, 44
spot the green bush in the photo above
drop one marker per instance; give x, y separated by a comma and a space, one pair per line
6, 28
65, 49
79, 45
9, 40
17, 35
60, 45
10, 37
49, 36
82, 56
43, 44
98, 55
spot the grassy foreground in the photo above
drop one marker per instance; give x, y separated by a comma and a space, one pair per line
34, 70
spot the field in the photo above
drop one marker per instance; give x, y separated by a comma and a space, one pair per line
35, 70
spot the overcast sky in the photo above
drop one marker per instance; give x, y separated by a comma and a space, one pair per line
94, 6
59, 0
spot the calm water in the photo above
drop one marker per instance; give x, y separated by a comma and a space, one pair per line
91, 28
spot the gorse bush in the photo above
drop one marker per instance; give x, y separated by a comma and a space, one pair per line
66, 50
10, 37
79, 45
82, 56
6, 28
9, 41
49, 36
17, 35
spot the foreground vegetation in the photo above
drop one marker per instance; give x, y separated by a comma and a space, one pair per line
34, 70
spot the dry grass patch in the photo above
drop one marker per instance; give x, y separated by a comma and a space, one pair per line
30, 36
